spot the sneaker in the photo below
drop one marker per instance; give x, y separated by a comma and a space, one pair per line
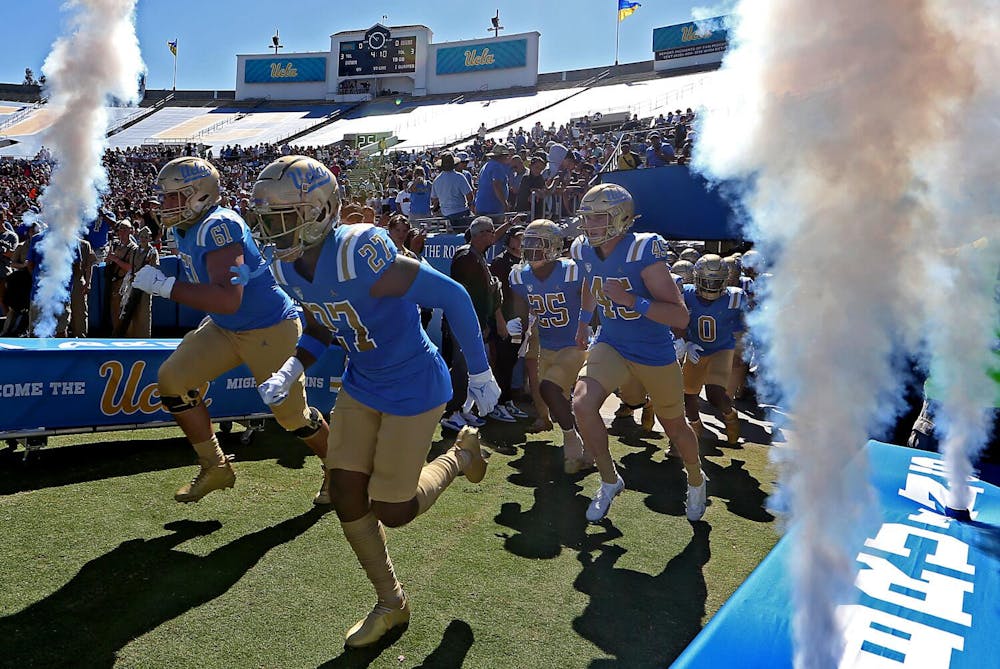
514, 410
453, 421
697, 499
472, 419
500, 413
374, 626
468, 441
322, 498
602, 500
732, 421
211, 476
648, 418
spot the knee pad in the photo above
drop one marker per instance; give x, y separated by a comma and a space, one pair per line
311, 427
176, 404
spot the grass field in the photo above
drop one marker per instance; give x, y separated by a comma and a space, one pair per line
99, 566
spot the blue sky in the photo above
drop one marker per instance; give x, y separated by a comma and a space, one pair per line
211, 32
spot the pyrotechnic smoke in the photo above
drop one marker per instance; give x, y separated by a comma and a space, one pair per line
98, 58
833, 116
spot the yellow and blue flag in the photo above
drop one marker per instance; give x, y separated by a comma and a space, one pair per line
172, 45
625, 8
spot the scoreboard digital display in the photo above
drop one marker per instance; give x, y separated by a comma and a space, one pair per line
378, 54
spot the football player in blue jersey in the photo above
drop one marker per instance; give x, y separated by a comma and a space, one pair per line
354, 286
249, 322
548, 288
628, 282
710, 339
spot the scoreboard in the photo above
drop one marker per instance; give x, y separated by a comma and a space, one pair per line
378, 53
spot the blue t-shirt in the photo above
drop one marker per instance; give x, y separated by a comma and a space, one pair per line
98, 233
555, 302
714, 324
486, 198
392, 366
264, 304
636, 338
420, 200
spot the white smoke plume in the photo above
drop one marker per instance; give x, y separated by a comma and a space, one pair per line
97, 59
833, 116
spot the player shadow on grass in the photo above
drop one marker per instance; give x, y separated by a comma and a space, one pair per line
133, 589
557, 519
643, 620
665, 484
67, 465
449, 654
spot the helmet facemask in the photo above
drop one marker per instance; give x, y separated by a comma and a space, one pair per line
536, 250
596, 227
711, 274
292, 229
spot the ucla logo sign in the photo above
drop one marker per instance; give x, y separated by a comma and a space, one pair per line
284, 70
493, 55
473, 58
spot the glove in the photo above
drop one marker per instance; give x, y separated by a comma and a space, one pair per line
514, 327
275, 389
680, 348
483, 389
151, 280
694, 352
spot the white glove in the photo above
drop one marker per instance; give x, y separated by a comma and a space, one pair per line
694, 352
275, 389
151, 280
483, 389
680, 348
515, 327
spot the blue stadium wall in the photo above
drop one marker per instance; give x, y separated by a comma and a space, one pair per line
677, 203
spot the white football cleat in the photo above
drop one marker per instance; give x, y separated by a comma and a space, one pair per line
606, 492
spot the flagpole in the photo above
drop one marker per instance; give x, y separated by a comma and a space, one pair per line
618, 28
175, 63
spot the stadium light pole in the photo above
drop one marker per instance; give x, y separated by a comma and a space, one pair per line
276, 42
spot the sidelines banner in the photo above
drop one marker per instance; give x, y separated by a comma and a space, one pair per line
486, 55
695, 38
82, 383
440, 249
284, 70
927, 585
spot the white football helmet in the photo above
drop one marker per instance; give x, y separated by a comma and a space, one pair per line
196, 183
606, 211
710, 276
542, 241
297, 203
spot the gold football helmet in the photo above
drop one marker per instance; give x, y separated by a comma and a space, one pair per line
606, 211
186, 188
683, 269
542, 241
710, 276
297, 203
690, 254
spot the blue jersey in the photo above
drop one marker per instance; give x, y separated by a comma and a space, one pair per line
264, 304
714, 324
555, 302
636, 338
391, 364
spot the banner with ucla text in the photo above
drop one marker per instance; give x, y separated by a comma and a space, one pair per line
284, 70
695, 38
56, 384
927, 585
489, 55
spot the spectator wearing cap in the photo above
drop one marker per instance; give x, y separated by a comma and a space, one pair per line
557, 154
83, 277
141, 324
517, 172
420, 195
627, 160
491, 196
503, 345
119, 264
658, 154
533, 188
451, 192
462, 167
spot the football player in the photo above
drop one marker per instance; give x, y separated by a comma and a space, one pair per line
250, 321
548, 287
356, 287
710, 339
684, 270
628, 282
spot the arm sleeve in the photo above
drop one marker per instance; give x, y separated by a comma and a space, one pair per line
430, 288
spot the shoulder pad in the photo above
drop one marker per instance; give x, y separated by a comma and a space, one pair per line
576, 249
353, 249
571, 269
735, 297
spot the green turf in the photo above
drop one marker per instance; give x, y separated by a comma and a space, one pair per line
99, 566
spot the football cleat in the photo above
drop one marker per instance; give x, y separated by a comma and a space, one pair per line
468, 441
211, 476
648, 418
374, 626
732, 421
606, 492
297, 202
697, 500
322, 498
